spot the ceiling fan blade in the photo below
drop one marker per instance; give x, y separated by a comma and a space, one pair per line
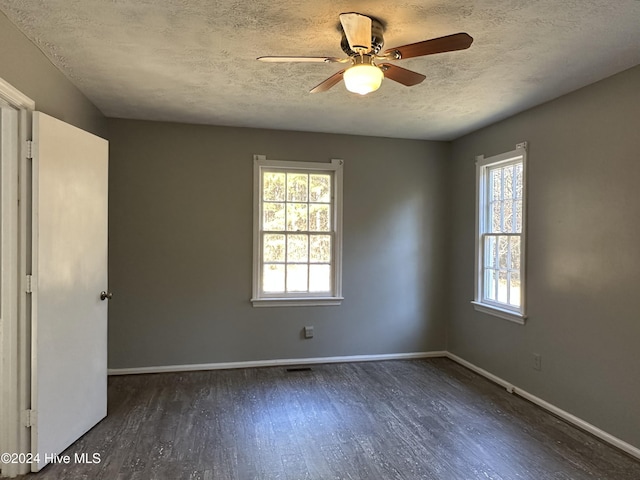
357, 29
450, 43
285, 59
328, 83
401, 75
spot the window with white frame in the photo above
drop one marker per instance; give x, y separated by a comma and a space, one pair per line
500, 241
297, 233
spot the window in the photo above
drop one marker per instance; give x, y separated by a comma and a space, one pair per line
297, 233
500, 241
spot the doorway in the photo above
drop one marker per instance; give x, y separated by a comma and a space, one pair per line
15, 113
53, 283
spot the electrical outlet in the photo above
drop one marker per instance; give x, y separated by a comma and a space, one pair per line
308, 332
537, 361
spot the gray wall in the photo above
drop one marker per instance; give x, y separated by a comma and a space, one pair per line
181, 247
25, 67
583, 255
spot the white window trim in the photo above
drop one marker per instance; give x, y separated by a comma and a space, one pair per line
260, 162
514, 315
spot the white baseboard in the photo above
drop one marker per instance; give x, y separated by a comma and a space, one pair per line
484, 373
274, 363
578, 422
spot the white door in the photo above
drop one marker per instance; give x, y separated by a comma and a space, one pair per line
69, 319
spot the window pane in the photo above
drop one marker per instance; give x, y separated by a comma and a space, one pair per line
297, 248
273, 216
319, 278
273, 248
503, 252
320, 248
514, 243
297, 278
495, 189
508, 216
490, 284
320, 188
518, 180
297, 217
508, 182
514, 290
273, 278
518, 216
297, 187
496, 217
502, 286
319, 218
490, 251
273, 187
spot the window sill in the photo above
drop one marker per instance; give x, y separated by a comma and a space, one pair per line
500, 312
296, 302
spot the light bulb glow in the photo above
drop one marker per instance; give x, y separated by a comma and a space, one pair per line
363, 78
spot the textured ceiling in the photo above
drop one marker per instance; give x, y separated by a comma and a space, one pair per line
194, 61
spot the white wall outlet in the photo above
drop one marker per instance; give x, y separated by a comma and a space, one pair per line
308, 332
537, 361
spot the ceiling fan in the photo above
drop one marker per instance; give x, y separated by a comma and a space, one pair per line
362, 40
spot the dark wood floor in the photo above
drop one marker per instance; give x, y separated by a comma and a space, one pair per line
422, 419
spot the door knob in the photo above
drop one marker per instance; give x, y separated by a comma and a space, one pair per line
106, 295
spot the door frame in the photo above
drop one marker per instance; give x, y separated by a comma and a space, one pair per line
15, 329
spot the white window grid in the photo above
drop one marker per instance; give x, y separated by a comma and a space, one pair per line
305, 298
491, 230
494, 237
307, 233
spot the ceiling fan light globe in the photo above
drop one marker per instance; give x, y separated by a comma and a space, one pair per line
363, 79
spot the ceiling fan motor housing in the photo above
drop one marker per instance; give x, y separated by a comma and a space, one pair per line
377, 38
